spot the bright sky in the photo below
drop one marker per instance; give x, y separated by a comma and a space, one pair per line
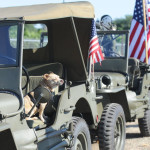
114, 8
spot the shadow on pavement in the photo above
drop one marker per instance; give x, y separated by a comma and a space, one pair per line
133, 135
132, 126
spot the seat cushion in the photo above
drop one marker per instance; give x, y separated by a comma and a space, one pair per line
35, 123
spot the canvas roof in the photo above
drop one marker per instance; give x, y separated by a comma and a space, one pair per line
48, 11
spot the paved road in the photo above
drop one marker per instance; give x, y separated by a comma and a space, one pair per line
134, 141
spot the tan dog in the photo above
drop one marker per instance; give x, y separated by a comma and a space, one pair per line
49, 81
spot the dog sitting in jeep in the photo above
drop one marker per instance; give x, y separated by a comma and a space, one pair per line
49, 82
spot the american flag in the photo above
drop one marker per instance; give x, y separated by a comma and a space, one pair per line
94, 49
137, 33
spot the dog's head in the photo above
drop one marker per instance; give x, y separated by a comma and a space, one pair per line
52, 80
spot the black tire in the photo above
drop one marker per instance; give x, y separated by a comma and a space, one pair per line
144, 124
112, 128
82, 139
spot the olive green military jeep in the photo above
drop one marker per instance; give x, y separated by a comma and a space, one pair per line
85, 107
22, 64
124, 85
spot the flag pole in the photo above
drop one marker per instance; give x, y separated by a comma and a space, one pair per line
146, 48
90, 68
93, 67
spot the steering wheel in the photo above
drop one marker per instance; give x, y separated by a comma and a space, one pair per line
27, 76
111, 54
8, 58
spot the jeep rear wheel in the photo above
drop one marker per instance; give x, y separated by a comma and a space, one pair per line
112, 129
144, 124
82, 140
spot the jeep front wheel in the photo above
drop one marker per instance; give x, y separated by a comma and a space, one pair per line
112, 128
144, 124
82, 140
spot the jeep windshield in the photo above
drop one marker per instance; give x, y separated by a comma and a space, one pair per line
8, 44
112, 44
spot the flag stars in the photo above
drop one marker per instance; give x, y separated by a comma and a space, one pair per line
138, 11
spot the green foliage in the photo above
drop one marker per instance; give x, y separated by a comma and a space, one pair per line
32, 32
123, 23
13, 32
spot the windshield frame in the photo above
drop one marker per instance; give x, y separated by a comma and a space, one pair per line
126, 33
110, 64
10, 23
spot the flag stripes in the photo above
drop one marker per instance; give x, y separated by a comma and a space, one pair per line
94, 49
137, 33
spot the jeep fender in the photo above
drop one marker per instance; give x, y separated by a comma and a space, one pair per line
116, 95
67, 103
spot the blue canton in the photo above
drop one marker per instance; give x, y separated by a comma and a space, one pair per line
93, 29
138, 12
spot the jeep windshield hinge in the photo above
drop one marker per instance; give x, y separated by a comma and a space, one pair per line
1, 116
69, 84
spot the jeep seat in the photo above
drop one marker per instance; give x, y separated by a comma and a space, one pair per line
37, 70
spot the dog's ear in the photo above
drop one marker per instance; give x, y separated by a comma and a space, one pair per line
45, 76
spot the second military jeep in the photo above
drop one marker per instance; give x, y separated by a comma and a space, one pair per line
124, 81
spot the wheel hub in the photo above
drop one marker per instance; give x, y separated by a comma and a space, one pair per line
81, 142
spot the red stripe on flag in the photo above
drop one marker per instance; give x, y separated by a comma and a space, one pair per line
149, 53
94, 51
93, 40
148, 38
141, 51
137, 42
133, 31
97, 57
93, 46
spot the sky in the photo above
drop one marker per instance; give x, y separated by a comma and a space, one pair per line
114, 8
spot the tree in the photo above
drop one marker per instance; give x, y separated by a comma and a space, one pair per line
31, 31
123, 23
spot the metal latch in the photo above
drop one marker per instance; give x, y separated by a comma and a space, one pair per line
70, 109
98, 97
